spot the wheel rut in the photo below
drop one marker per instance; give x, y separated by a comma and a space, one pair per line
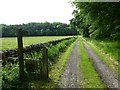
71, 74
108, 76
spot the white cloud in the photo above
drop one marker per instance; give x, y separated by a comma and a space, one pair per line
24, 11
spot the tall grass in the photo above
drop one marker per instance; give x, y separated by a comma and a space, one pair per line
91, 78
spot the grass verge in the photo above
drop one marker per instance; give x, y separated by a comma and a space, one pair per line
56, 71
90, 76
110, 48
107, 59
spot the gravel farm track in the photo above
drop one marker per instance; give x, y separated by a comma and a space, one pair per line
70, 76
72, 73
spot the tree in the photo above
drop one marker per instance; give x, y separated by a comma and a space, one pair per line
98, 20
39, 29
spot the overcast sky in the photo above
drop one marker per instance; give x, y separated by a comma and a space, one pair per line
25, 11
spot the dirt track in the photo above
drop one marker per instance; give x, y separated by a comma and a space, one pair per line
70, 77
105, 73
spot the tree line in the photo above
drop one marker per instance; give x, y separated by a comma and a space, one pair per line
39, 29
97, 20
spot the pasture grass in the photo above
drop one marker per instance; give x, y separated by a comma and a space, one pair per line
108, 52
91, 78
11, 42
56, 70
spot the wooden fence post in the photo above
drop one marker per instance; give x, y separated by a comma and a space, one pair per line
45, 63
20, 54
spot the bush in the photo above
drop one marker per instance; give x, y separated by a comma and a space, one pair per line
10, 75
54, 51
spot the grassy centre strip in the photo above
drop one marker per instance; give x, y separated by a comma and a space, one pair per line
90, 76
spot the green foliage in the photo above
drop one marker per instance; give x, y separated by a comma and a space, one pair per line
54, 51
100, 20
60, 47
10, 75
40, 29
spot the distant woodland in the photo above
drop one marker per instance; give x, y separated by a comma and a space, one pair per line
39, 29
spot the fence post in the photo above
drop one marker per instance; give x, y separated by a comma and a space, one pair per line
20, 54
45, 63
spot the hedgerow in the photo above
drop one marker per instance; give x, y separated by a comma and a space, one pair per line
33, 65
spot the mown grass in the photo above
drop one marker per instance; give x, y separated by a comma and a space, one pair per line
90, 76
11, 42
108, 52
56, 71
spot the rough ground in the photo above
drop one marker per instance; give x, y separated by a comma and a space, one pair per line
70, 77
105, 73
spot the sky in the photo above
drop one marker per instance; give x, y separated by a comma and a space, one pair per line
25, 11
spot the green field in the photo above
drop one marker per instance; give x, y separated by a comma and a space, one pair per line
11, 42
